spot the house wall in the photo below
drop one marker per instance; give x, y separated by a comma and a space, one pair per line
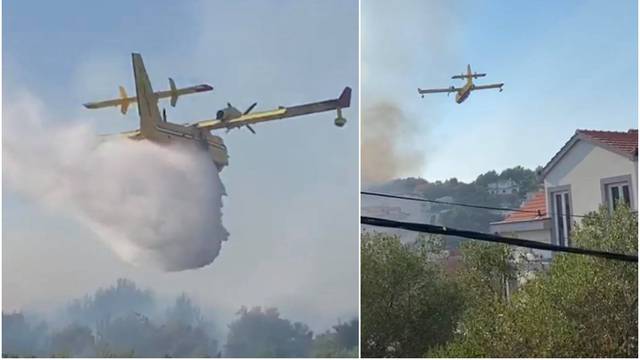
529, 265
582, 167
536, 235
537, 230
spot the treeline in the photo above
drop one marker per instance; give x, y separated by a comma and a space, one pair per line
125, 321
527, 180
475, 192
581, 306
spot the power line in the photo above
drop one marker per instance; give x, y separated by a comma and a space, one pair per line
486, 207
442, 230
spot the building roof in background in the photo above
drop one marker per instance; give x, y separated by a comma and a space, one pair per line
624, 143
533, 209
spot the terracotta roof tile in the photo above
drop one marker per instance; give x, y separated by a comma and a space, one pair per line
535, 207
626, 142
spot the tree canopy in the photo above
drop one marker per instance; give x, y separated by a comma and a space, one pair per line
263, 333
581, 307
408, 305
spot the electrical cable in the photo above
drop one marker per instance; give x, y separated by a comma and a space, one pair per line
443, 230
539, 213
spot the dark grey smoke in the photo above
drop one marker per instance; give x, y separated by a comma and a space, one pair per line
387, 144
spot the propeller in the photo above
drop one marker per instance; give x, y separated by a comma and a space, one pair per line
451, 89
248, 111
164, 114
250, 108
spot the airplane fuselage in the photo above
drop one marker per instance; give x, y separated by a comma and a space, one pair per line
464, 93
166, 132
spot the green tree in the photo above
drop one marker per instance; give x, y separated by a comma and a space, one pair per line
120, 299
258, 333
74, 340
24, 338
131, 333
341, 341
582, 306
348, 333
408, 304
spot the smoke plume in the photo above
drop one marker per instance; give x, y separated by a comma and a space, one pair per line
398, 57
158, 206
384, 154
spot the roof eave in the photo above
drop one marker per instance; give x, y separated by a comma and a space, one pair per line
574, 139
563, 150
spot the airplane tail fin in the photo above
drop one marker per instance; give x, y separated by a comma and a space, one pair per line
174, 92
124, 100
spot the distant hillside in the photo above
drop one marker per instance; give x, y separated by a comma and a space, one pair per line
518, 179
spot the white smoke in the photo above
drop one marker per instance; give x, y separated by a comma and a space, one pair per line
158, 206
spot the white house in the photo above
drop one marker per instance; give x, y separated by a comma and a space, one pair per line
592, 168
503, 187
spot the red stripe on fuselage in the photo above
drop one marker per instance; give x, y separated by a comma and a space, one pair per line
462, 96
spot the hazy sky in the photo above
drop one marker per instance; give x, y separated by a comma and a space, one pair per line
292, 201
565, 64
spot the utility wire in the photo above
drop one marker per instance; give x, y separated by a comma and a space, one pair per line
539, 213
442, 230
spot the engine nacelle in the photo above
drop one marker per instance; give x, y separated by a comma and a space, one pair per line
228, 113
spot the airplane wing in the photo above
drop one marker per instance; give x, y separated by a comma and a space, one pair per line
344, 101
432, 91
147, 99
131, 134
492, 86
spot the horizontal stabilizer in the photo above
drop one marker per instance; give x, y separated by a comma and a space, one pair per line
463, 76
123, 101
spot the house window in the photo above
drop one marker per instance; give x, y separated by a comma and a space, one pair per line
617, 193
561, 216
